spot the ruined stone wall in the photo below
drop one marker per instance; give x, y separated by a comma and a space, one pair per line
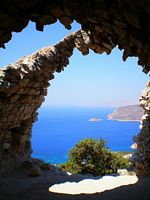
125, 23
23, 86
142, 154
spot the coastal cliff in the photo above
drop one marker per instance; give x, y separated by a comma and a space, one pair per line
127, 113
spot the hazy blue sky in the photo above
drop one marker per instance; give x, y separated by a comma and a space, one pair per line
93, 80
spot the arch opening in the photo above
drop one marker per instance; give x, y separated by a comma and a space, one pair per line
73, 94
25, 83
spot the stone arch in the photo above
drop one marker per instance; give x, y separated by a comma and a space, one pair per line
119, 22
23, 86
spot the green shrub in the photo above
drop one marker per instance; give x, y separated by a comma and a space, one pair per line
92, 156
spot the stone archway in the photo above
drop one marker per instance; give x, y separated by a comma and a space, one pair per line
119, 22
23, 86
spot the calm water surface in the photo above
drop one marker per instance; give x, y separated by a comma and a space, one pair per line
59, 129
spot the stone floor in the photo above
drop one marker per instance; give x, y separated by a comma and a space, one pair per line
20, 186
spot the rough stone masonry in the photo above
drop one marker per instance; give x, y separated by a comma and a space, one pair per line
142, 154
23, 85
118, 22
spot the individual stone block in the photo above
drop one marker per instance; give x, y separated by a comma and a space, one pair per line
35, 171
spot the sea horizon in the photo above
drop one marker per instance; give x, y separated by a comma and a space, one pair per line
59, 128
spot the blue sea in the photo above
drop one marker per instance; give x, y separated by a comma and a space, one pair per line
59, 129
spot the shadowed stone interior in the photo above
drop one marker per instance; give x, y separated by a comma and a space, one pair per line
23, 85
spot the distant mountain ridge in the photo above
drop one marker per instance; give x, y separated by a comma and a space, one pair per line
127, 113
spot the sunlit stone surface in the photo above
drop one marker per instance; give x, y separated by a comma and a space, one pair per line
91, 186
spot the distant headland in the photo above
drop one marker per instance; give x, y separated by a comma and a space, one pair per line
127, 113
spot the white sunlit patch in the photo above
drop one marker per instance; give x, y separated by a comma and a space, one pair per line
91, 186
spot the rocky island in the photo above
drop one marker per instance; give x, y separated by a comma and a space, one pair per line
94, 119
127, 113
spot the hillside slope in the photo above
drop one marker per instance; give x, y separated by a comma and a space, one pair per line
127, 113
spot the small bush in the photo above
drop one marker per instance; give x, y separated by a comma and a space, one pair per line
93, 157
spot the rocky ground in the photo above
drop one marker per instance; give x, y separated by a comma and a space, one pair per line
21, 186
